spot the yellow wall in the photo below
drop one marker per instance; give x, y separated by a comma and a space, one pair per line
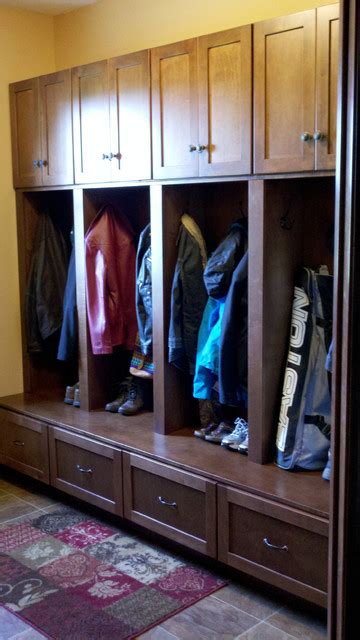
26, 50
113, 27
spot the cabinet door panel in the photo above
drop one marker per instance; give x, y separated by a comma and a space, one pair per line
56, 128
174, 110
25, 133
24, 445
326, 84
129, 79
284, 100
91, 122
225, 102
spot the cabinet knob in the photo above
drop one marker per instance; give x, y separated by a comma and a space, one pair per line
166, 503
318, 135
105, 156
268, 544
115, 155
192, 148
306, 136
201, 147
37, 163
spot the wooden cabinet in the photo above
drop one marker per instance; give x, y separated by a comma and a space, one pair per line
174, 503
111, 110
278, 544
201, 101
295, 91
24, 445
86, 469
42, 130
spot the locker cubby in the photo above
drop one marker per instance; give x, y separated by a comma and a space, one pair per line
43, 373
99, 373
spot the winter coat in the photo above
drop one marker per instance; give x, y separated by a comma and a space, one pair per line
221, 360
46, 284
68, 345
110, 279
144, 291
188, 296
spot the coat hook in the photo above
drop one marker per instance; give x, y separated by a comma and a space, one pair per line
285, 222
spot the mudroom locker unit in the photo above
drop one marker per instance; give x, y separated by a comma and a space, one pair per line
220, 128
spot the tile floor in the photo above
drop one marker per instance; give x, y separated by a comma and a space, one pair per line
234, 612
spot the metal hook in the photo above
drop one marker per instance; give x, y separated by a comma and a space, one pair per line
285, 222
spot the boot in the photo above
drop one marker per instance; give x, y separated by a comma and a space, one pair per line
70, 393
76, 402
121, 398
135, 401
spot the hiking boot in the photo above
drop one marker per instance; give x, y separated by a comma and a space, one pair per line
327, 471
70, 393
121, 398
202, 432
209, 412
244, 446
237, 436
224, 429
135, 400
76, 402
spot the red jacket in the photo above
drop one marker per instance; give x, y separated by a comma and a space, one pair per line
110, 279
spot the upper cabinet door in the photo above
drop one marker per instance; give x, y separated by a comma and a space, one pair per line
91, 122
175, 110
327, 64
225, 102
129, 82
284, 93
25, 133
56, 128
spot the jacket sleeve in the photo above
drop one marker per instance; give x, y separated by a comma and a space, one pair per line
97, 299
176, 339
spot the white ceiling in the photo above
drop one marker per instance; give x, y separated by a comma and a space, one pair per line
51, 7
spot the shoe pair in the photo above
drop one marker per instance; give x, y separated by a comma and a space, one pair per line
72, 395
131, 399
232, 437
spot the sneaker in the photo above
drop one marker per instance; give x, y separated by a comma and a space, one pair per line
244, 446
121, 398
135, 400
205, 431
70, 393
237, 436
327, 471
216, 436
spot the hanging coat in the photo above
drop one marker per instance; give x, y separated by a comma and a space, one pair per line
68, 344
110, 282
46, 284
144, 292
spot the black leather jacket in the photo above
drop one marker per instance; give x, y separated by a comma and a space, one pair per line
144, 291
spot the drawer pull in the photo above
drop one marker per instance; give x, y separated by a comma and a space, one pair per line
166, 503
18, 443
84, 469
274, 546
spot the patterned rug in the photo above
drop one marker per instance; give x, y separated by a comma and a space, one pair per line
75, 577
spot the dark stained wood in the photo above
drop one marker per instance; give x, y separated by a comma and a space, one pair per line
225, 102
56, 128
24, 445
174, 109
189, 517
25, 133
90, 95
245, 522
86, 469
129, 88
275, 253
327, 64
304, 491
284, 93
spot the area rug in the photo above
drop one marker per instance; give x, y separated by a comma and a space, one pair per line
75, 577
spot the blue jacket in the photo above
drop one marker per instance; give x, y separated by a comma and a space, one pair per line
68, 345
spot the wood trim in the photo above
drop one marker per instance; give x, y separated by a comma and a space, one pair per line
242, 165
327, 16
79, 235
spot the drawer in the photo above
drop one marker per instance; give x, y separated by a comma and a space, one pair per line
173, 503
24, 445
86, 469
281, 545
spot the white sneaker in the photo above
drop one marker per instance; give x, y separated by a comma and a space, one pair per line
244, 446
239, 434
